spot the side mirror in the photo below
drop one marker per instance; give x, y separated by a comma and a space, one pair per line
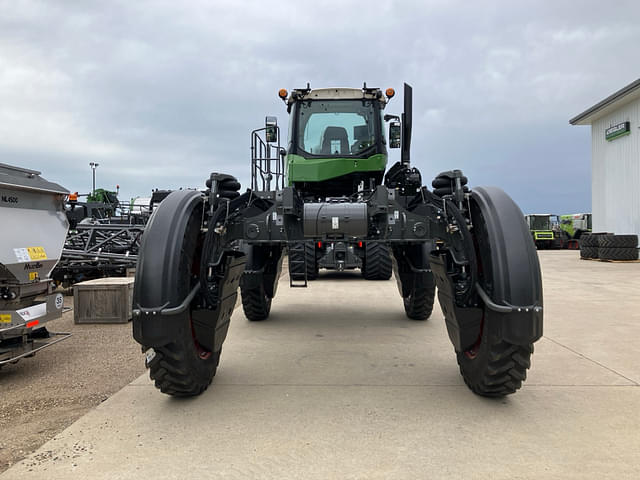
395, 134
271, 129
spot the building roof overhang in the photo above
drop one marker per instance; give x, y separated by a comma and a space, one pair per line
612, 102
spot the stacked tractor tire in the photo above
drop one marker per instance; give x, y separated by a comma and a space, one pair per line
606, 246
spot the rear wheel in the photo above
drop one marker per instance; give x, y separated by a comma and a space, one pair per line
493, 367
496, 365
184, 367
377, 264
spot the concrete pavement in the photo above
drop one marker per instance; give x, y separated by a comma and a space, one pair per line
337, 383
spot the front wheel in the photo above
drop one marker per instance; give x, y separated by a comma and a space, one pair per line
255, 303
419, 304
377, 263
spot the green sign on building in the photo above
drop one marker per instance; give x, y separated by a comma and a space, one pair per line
618, 130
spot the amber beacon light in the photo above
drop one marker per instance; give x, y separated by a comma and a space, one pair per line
390, 92
282, 93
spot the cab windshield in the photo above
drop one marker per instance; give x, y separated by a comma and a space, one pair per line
341, 128
540, 222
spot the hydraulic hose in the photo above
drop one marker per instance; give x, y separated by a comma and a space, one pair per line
467, 241
211, 239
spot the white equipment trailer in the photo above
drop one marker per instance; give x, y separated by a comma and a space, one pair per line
34, 228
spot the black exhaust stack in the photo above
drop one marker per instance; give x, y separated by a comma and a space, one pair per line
405, 155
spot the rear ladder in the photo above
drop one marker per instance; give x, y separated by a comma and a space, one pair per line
297, 265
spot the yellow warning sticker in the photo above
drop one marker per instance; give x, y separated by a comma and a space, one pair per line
5, 318
33, 275
37, 253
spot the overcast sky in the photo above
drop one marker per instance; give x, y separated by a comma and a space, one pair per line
162, 93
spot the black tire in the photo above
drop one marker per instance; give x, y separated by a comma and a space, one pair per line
376, 264
311, 264
589, 252
311, 261
590, 239
183, 367
419, 305
494, 366
255, 303
615, 253
618, 241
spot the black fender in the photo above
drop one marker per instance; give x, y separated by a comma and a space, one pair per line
508, 289
512, 285
411, 267
263, 267
157, 270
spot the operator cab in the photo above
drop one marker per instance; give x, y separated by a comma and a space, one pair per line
337, 143
337, 123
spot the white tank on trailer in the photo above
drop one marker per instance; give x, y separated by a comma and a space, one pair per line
34, 229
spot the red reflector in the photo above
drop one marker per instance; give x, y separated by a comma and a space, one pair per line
319, 244
32, 323
360, 244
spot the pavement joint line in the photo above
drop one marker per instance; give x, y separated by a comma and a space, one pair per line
592, 360
338, 385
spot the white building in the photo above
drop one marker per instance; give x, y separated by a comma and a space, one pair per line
615, 160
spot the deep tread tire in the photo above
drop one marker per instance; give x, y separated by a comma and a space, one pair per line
495, 366
419, 305
255, 303
176, 371
181, 368
377, 264
617, 241
311, 261
615, 253
498, 369
589, 252
590, 239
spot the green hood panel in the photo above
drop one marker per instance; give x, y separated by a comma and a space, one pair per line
300, 169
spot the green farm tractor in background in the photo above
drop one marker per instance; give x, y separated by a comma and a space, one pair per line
104, 196
331, 187
542, 229
575, 225
558, 231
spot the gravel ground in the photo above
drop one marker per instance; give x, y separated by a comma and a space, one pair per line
41, 396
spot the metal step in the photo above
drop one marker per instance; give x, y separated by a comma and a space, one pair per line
297, 266
14, 349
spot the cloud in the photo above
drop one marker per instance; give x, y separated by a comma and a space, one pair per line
162, 93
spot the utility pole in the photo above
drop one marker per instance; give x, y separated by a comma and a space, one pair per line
93, 169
